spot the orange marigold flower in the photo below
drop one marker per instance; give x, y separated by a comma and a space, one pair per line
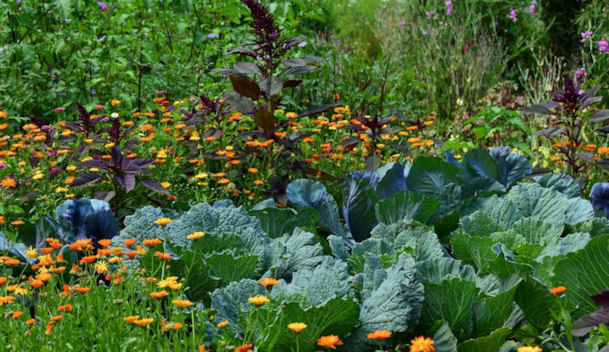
131, 254
30, 321
88, 259
8, 183
143, 322
17, 314
269, 281
195, 235
56, 317
36, 283
244, 348
330, 341
379, 335
130, 242
82, 290
17, 223
252, 170
46, 250
12, 261
131, 319
159, 294
164, 256
3, 280
422, 344
65, 308
223, 324
105, 242
152, 242
558, 290
6, 300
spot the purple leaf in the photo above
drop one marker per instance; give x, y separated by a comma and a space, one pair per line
85, 179
153, 185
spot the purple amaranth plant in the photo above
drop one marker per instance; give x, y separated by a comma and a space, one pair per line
569, 104
121, 169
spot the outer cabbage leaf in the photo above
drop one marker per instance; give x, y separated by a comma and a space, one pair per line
562, 183
535, 201
359, 200
299, 251
229, 301
277, 222
390, 300
406, 205
585, 273
313, 194
315, 287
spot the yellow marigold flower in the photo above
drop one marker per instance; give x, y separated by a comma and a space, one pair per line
379, 335
195, 235
143, 322
31, 253
182, 303
131, 319
162, 221
297, 327
422, 344
258, 300
558, 290
330, 341
269, 281
115, 102
529, 349
101, 267
223, 324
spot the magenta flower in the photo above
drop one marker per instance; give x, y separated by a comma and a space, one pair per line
580, 73
513, 15
402, 23
586, 34
449, 7
532, 8
99, 107
603, 46
60, 109
102, 6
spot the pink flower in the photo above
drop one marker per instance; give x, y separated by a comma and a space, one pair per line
532, 8
60, 109
603, 46
449, 7
513, 15
402, 23
99, 107
586, 34
580, 73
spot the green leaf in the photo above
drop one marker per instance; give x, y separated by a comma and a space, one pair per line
406, 205
390, 299
490, 343
359, 200
444, 340
443, 269
452, 301
195, 272
535, 201
313, 194
230, 301
584, 273
562, 183
536, 302
313, 287
479, 223
490, 312
300, 251
478, 163
502, 210
536, 231
277, 222
428, 175
337, 317
229, 268
580, 210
